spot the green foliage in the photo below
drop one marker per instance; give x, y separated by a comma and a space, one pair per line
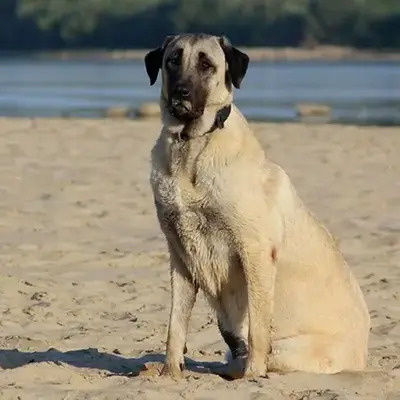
77, 17
143, 23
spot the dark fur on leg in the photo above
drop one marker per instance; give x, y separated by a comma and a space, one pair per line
236, 344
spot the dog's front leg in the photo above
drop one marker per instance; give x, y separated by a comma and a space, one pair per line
258, 263
183, 298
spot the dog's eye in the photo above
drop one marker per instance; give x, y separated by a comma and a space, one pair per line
205, 65
174, 61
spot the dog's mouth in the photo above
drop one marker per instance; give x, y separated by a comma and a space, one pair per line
183, 110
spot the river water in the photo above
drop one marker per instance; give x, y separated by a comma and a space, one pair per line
358, 92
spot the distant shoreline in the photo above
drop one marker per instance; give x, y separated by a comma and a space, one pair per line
322, 53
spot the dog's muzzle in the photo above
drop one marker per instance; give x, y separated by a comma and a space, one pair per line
181, 104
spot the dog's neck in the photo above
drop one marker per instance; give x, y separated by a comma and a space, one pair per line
213, 118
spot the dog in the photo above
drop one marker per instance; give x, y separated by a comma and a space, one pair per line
284, 297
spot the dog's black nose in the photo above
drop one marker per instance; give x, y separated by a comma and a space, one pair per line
182, 91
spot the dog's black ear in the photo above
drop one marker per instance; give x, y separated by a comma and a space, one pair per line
153, 60
237, 61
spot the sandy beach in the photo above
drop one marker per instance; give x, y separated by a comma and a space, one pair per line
84, 280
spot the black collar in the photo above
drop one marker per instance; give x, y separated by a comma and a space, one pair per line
219, 122
220, 118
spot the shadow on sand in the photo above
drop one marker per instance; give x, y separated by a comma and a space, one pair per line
92, 358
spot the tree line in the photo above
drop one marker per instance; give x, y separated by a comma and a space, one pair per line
73, 24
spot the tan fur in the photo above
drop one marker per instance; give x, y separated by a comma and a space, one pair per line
237, 230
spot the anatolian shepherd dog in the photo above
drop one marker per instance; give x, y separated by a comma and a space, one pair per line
284, 296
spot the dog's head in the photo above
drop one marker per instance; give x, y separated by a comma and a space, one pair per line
198, 70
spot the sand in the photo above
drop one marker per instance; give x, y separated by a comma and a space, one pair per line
84, 282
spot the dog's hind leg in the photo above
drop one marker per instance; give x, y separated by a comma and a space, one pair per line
317, 353
232, 324
236, 343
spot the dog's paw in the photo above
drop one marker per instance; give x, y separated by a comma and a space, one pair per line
151, 369
234, 369
255, 370
172, 371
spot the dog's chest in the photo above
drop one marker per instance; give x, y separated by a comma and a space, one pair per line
194, 226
